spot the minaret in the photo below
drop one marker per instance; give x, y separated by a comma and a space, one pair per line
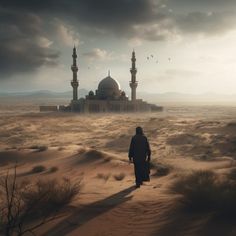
74, 82
133, 83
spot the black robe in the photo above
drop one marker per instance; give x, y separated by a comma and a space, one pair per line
140, 152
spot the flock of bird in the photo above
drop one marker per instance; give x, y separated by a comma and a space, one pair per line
151, 57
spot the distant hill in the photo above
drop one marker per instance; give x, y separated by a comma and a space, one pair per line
39, 98
45, 96
181, 98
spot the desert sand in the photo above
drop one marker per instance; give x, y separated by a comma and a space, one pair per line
93, 149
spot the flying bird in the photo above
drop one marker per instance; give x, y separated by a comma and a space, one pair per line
148, 58
152, 56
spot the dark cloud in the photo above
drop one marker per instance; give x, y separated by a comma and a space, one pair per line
103, 15
148, 19
22, 25
97, 12
23, 45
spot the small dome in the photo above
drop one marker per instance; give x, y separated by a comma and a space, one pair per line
91, 93
108, 88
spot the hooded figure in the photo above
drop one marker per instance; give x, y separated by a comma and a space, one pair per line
140, 154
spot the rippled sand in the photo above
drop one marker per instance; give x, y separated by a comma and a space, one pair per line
94, 148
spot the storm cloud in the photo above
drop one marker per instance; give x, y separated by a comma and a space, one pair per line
23, 44
127, 17
26, 41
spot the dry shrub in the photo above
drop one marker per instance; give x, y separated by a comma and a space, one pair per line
107, 159
119, 176
39, 148
38, 169
26, 206
81, 150
103, 176
231, 124
91, 155
160, 169
42, 148
94, 154
53, 169
49, 196
206, 191
184, 139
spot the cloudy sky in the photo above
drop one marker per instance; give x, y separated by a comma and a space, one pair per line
184, 46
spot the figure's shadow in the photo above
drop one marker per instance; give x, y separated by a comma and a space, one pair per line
81, 215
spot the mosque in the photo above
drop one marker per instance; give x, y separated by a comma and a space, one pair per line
107, 98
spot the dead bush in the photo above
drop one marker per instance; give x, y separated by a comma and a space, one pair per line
39, 148
119, 176
38, 169
53, 169
160, 169
103, 176
205, 191
25, 206
49, 195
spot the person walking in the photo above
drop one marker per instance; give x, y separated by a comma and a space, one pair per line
140, 155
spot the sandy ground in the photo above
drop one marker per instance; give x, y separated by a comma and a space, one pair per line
93, 149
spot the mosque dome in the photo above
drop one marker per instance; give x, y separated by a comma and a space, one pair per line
108, 88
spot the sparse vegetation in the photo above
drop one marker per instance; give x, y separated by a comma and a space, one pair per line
50, 196
107, 159
231, 124
39, 148
81, 150
105, 177
26, 206
53, 169
206, 191
38, 169
119, 176
160, 169
94, 154
61, 148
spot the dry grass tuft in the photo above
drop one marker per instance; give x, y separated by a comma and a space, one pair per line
26, 206
231, 124
38, 169
119, 176
206, 191
53, 169
61, 148
105, 177
50, 196
94, 154
160, 169
39, 148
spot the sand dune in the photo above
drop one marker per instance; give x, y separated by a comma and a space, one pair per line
93, 149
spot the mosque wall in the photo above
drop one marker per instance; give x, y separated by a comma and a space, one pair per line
48, 108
